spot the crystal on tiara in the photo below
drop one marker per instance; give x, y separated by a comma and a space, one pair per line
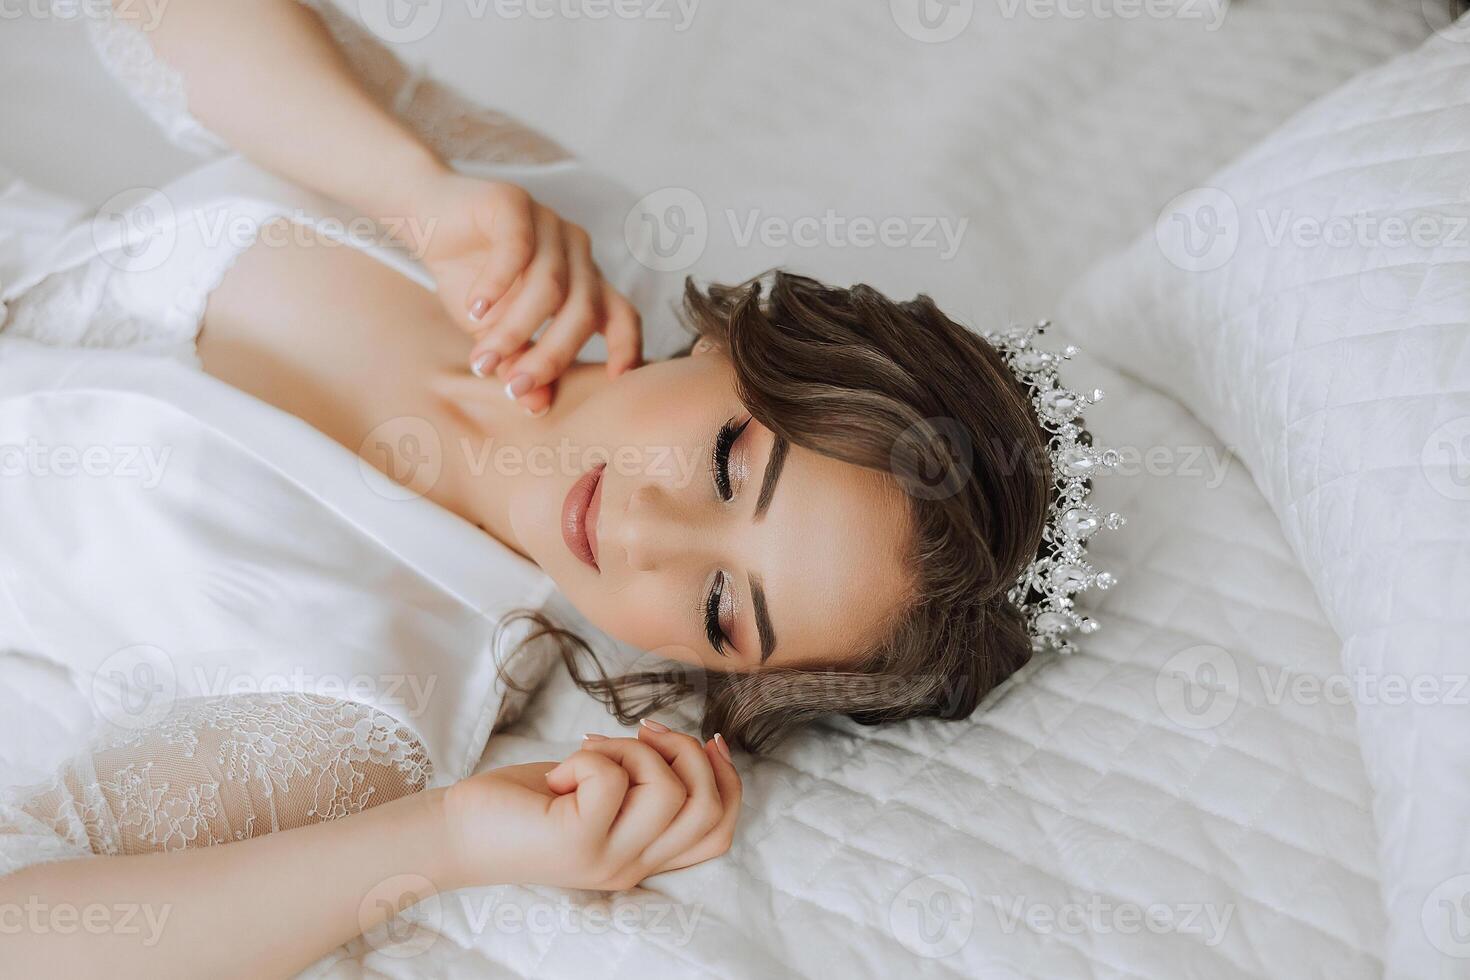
1047, 588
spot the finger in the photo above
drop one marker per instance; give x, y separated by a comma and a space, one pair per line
577, 319
623, 329
702, 809
538, 402
717, 841
600, 786
655, 795
539, 294
507, 220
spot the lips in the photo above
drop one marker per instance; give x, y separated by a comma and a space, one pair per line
579, 516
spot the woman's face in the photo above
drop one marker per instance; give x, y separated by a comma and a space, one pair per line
705, 539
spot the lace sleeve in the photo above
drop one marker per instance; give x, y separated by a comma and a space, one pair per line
454, 127
214, 770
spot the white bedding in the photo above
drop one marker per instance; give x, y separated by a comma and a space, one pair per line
1030, 840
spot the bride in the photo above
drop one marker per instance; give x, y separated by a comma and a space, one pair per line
762, 511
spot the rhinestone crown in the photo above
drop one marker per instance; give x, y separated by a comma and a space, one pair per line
1046, 589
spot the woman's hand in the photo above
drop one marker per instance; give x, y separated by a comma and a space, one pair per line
613, 813
504, 264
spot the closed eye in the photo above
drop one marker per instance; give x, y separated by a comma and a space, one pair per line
720, 458
713, 631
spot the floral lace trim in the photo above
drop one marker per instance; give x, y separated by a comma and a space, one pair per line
215, 770
453, 126
154, 85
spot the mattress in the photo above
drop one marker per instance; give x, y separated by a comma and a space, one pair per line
1084, 822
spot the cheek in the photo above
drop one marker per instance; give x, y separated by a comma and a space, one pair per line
642, 616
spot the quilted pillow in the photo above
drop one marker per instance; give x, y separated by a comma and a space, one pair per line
1312, 305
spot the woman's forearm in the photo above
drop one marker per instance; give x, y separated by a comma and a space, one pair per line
268, 78
268, 906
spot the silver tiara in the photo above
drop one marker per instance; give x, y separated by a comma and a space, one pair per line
1045, 591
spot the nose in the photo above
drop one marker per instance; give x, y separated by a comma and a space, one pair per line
654, 531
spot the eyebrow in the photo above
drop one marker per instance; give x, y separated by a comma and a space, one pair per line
774, 463
762, 617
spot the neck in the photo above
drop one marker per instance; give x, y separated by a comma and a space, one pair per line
493, 452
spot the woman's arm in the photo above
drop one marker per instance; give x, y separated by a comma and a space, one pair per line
267, 77
607, 817
268, 906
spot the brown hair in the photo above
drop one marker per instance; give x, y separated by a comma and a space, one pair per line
901, 389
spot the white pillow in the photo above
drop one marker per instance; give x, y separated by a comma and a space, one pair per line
1312, 305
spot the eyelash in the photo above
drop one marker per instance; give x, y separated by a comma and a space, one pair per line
719, 463
712, 630
720, 469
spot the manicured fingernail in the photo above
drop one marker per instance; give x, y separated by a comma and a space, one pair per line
479, 308
519, 385
655, 726
485, 363
594, 737
724, 749
539, 412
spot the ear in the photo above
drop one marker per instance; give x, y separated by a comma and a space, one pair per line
702, 346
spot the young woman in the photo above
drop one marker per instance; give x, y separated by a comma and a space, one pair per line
823, 507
